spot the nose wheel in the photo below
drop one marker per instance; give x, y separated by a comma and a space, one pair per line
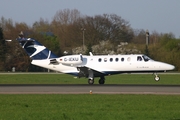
157, 78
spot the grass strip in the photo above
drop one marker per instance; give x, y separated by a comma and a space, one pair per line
86, 106
172, 79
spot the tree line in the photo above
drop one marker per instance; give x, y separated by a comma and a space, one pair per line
65, 31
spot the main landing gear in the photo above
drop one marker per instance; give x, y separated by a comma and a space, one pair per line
101, 80
91, 81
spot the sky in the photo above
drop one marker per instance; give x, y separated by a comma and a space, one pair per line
162, 16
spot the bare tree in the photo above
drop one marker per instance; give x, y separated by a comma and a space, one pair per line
67, 16
106, 27
41, 25
65, 28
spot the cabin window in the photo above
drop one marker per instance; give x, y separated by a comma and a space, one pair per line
111, 59
139, 58
122, 59
128, 59
116, 59
105, 59
99, 59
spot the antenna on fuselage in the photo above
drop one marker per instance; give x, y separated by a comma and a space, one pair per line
90, 53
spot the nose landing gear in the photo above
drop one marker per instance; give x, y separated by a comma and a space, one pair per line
157, 78
91, 81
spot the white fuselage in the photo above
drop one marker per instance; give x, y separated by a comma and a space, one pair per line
106, 64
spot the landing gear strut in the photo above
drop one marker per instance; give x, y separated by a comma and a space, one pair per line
90, 77
102, 80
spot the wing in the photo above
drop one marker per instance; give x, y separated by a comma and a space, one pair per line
85, 71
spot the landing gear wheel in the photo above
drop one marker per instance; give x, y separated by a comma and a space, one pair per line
102, 80
157, 78
91, 81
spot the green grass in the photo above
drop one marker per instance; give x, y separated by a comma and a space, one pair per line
86, 106
89, 107
68, 79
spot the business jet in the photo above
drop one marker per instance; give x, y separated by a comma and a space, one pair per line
91, 66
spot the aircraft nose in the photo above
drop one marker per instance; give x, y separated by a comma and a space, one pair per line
164, 66
169, 67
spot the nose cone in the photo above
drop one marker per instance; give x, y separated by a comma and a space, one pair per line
163, 66
171, 67
168, 66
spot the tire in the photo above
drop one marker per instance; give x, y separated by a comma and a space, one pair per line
101, 81
91, 81
157, 78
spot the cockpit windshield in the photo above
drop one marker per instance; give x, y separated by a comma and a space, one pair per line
146, 58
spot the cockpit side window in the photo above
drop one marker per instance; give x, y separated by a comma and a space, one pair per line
139, 58
146, 58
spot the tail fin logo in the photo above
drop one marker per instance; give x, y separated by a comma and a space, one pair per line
38, 49
35, 50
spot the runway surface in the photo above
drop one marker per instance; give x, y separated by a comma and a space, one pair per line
87, 89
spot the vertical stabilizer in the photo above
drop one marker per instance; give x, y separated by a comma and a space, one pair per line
34, 49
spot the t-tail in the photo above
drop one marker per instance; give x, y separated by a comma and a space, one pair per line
35, 50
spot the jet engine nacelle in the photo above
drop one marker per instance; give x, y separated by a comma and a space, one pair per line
71, 60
